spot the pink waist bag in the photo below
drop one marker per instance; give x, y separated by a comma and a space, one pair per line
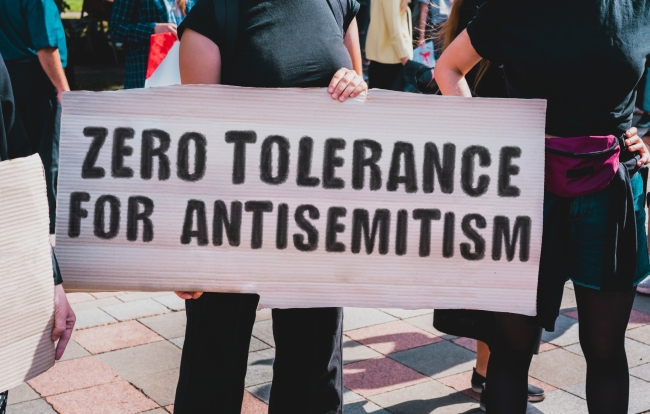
580, 165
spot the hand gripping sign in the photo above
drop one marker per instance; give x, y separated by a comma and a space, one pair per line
304, 200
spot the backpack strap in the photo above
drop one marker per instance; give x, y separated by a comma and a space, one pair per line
227, 16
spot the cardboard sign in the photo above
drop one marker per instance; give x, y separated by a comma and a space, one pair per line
27, 305
404, 201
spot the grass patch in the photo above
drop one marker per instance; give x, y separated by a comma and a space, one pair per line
74, 5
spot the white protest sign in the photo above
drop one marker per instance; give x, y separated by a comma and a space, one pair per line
27, 305
304, 200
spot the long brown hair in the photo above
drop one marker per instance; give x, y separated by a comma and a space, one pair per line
182, 6
449, 31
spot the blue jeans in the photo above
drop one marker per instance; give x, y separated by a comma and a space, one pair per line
588, 234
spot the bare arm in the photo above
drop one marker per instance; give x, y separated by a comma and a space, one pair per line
351, 42
51, 62
458, 59
424, 14
200, 59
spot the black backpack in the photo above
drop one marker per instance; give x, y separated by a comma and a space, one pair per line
227, 15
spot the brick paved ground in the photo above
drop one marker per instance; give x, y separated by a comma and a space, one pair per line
125, 355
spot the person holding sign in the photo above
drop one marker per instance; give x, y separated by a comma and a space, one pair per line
593, 209
13, 144
296, 43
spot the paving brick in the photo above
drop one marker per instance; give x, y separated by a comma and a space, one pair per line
252, 405
545, 346
390, 337
141, 360
638, 319
263, 315
639, 394
467, 343
640, 334
425, 322
405, 313
39, 406
112, 398
350, 397
562, 402
169, 325
364, 407
642, 303
637, 353
260, 367
566, 331
172, 301
353, 351
159, 386
116, 336
101, 295
461, 382
170, 408
78, 297
136, 309
92, 317
73, 350
568, 300
641, 371
437, 360
379, 375
134, 296
541, 384
256, 345
264, 331
95, 303
156, 411
558, 367
261, 391
22, 393
355, 318
72, 375
430, 397
178, 341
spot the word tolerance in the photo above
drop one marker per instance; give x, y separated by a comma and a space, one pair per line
253, 196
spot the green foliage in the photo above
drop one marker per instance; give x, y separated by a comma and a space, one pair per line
74, 5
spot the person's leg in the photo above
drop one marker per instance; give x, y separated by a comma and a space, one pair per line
603, 321
482, 357
3, 402
515, 342
308, 367
215, 353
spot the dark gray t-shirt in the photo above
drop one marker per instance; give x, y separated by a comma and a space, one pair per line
584, 56
281, 43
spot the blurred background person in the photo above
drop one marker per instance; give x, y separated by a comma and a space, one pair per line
389, 43
33, 45
134, 21
428, 18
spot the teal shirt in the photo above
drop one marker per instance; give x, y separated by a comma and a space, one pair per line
27, 26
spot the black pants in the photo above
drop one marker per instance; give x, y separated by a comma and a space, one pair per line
382, 75
40, 111
3, 402
307, 371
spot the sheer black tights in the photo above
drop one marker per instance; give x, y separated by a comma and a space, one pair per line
603, 320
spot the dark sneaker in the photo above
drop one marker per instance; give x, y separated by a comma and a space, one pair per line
483, 398
535, 394
477, 381
644, 122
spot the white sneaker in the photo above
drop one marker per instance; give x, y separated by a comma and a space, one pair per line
644, 286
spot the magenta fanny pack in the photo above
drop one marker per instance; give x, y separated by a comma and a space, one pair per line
580, 165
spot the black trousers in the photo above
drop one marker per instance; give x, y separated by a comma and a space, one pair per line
40, 111
382, 75
307, 371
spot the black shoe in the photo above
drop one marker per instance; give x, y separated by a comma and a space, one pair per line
535, 394
644, 122
530, 409
483, 398
477, 381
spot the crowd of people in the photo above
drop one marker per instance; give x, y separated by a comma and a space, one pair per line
587, 60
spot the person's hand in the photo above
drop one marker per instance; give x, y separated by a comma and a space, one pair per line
165, 28
635, 144
189, 295
404, 60
64, 319
346, 83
